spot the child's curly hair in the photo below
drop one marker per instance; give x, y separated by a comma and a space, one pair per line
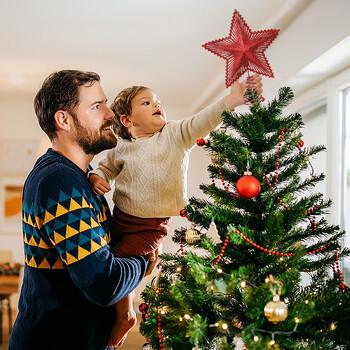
122, 105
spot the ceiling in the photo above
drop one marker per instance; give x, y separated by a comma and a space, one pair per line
157, 43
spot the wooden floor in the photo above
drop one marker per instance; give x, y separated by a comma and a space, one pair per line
134, 341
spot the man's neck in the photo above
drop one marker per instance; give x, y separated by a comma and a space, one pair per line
74, 153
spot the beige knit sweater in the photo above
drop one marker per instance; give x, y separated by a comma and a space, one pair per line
150, 173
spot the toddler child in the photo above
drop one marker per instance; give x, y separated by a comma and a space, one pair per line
149, 167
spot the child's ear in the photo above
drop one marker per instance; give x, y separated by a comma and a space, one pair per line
126, 121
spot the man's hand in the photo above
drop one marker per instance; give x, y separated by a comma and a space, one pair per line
98, 184
153, 258
236, 96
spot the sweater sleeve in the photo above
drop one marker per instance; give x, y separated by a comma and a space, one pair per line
107, 167
199, 125
73, 221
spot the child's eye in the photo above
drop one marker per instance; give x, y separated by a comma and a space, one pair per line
146, 103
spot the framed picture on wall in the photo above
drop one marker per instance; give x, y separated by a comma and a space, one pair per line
18, 156
11, 204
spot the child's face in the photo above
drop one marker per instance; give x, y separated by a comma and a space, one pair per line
147, 116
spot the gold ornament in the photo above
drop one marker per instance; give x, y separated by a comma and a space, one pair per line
192, 236
155, 281
276, 310
217, 159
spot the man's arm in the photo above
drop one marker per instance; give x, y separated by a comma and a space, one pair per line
79, 233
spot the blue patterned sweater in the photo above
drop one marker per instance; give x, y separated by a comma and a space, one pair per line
71, 280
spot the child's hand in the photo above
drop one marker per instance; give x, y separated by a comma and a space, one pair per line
153, 258
98, 184
236, 96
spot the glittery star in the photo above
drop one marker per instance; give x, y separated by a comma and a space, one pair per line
243, 49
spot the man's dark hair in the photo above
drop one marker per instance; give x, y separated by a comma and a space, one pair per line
60, 92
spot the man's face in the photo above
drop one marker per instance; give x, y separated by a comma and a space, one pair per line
92, 119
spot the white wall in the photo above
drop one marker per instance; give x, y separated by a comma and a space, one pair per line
15, 127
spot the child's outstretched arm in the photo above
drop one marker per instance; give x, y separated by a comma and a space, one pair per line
199, 125
236, 96
99, 184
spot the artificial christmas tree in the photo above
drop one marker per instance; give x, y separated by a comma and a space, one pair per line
251, 283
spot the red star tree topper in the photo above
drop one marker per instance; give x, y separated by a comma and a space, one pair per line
243, 49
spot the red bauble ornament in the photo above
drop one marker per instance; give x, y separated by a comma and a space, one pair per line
301, 143
248, 186
183, 213
201, 142
243, 49
143, 308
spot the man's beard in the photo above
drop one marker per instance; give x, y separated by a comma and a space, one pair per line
93, 142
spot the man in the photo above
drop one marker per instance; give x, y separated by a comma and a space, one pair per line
70, 277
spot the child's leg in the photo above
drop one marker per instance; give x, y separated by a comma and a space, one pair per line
136, 236
126, 319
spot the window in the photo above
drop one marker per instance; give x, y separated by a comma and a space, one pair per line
345, 192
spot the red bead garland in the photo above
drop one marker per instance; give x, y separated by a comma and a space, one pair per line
269, 251
160, 336
271, 188
278, 156
277, 169
181, 244
341, 285
224, 184
222, 250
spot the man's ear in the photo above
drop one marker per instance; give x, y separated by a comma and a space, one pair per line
126, 121
62, 120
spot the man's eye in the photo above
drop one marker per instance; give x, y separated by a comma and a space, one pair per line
96, 107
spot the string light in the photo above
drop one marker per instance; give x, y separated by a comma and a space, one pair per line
333, 326
178, 269
188, 317
243, 284
219, 270
306, 301
256, 338
224, 326
296, 320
